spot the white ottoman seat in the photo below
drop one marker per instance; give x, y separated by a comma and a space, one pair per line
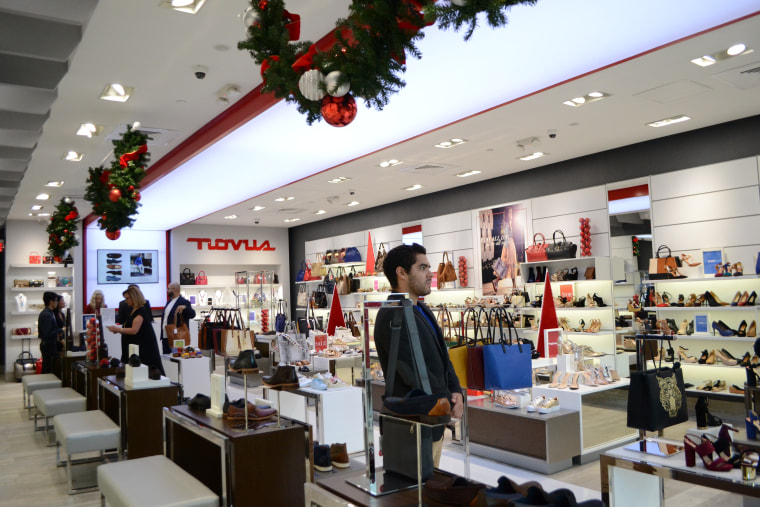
83, 432
33, 383
52, 402
151, 482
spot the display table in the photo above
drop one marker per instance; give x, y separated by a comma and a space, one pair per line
138, 412
84, 380
62, 367
338, 413
603, 415
632, 478
543, 443
333, 364
266, 465
192, 374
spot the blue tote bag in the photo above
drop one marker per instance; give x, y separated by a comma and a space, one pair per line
507, 363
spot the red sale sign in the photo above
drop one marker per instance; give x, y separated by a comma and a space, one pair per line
320, 342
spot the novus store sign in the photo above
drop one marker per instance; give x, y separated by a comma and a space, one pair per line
234, 244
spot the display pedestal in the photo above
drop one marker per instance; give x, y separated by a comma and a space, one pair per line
191, 373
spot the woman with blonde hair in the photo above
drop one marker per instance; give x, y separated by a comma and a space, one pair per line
138, 330
97, 301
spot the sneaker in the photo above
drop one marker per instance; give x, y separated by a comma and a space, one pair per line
318, 384
322, 461
533, 405
506, 401
550, 405
339, 456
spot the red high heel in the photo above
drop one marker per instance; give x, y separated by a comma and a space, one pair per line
705, 450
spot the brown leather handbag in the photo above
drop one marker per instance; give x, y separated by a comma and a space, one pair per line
446, 271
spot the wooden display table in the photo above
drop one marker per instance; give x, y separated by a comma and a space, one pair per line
84, 380
265, 465
63, 365
138, 411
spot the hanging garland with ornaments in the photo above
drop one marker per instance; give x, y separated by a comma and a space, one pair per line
63, 227
115, 192
364, 58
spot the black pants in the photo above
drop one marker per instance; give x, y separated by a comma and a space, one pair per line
49, 351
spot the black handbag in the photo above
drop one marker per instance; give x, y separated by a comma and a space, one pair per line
354, 284
320, 296
561, 249
187, 277
329, 282
657, 398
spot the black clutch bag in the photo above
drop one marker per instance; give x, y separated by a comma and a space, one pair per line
561, 249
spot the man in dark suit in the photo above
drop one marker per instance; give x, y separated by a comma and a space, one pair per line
176, 303
408, 271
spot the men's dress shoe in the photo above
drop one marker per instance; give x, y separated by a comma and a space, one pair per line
245, 361
318, 384
284, 376
134, 360
114, 272
419, 406
322, 460
113, 255
452, 490
113, 266
339, 456
200, 402
111, 278
237, 411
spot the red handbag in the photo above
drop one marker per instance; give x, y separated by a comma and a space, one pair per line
201, 279
537, 251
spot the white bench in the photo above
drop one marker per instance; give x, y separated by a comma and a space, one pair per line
33, 383
52, 402
151, 482
83, 432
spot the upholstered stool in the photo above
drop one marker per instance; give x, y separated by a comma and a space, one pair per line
33, 383
52, 402
154, 481
82, 432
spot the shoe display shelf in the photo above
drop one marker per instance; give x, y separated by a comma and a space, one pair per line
725, 288
219, 279
256, 295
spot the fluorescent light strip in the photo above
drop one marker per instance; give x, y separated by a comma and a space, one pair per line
353, 203
390, 163
73, 156
42, 197
230, 217
414, 187
320, 212
468, 173
258, 208
534, 156
56, 184
669, 121
339, 179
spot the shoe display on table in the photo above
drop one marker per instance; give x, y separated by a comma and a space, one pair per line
533, 405
236, 410
549, 405
452, 490
339, 456
322, 461
200, 402
284, 377
318, 384
246, 360
706, 451
506, 401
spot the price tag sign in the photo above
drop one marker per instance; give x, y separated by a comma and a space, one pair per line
320, 342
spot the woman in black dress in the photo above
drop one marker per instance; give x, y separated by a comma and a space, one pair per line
138, 330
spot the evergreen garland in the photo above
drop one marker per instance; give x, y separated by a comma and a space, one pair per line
62, 228
121, 182
370, 49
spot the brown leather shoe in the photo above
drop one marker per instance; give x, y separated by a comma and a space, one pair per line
255, 413
339, 456
284, 377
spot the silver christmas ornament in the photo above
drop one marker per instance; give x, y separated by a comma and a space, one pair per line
309, 84
250, 17
331, 83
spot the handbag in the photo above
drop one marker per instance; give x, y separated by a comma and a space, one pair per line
35, 258
187, 277
561, 249
280, 319
302, 299
354, 284
304, 274
177, 331
201, 279
458, 358
356, 332
329, 281
318, 268
475, 366
657, 398
446, 271
380, 258
320, 296
537, 251
352, 255
507, 365
664, 266
342, 282
399, 438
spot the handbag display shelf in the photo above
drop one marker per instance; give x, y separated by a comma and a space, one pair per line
255, 291
725, 288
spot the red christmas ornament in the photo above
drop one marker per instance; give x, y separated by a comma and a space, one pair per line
113, 235
131, 187
114, 194
104, 177
338, 111
136, 196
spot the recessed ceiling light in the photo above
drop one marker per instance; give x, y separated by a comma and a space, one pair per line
42, 197
414, 187
258, 208
596, 95
230, 217
89, 130
320, 212
339, 179
586, 99
450, 143
669, 121
534, 156
187, 6
723, 54
56, 184
736, 49
281, 199
468, 173
352, 203
288, 220
704, 61
73, 156
116, 92
389, 163
36, 207
43, 214
579, 100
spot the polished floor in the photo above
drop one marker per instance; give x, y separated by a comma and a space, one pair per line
28, 475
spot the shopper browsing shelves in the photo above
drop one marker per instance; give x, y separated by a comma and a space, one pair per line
176, 303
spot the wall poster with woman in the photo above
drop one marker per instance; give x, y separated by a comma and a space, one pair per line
502, 247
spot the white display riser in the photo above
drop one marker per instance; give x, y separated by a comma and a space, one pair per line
193, 374
338, 413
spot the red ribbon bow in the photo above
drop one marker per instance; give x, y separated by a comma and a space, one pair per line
266, 63
304, 62
125, 159
293, 25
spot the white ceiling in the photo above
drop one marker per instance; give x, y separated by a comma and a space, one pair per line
153, 49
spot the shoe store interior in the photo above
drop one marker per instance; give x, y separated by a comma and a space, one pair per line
543, 293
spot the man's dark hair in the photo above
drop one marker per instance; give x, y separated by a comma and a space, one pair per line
404, 256
48, 296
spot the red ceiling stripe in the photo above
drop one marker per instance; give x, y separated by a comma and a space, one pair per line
411, 229
628, 192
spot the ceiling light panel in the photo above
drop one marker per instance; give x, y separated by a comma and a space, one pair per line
42, 197
414, 187
89, 130
451, 143
186, 6
589, 98
669, 121
339, 179
353, 203
320, 212
55, 184
534, 156
258, 208
390, 163
738, 49
73, 156
282, 199
468, 174
230, 217
116, 92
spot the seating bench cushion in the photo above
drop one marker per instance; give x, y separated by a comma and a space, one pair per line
33, 383
152, 481
86, 431
62, 400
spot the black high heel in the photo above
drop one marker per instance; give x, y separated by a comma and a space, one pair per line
751, 376
531, 275
711, 300
672, 325
752, 298
690, 328
599, 301
704, 417
745, 360
681, 300
703, 358
742, 331
572, 274
580, 303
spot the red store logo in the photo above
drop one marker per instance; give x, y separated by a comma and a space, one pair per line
225, 244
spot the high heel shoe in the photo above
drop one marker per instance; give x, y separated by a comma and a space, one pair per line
744, 360
723, 445
710, 358
743, 299
752, 330
580, 303
737, 269
722, 329
751, 423
718, 270
726, 357
683, 356
574, 383
737, 298
713, 300
688, 260
703, 357
672, 325
531, 275
691, 301
690, 328
705, 451
599, 301
751, 299
742, 329
564, 324
683, 327
581, 325
704, 417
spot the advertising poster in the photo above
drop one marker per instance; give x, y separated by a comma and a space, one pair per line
502, 247
127, 266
